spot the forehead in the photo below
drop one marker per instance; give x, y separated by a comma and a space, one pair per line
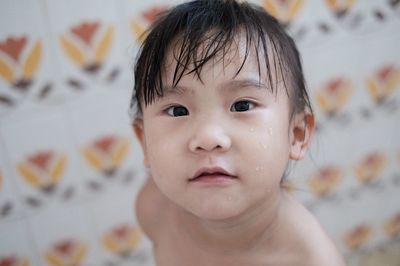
234, 58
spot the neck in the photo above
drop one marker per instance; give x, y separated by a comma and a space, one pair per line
256, 228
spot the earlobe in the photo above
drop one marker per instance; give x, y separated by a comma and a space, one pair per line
302, 129
139, 132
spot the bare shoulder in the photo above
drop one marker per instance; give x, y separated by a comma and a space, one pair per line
317, 247
322, 251
150, 209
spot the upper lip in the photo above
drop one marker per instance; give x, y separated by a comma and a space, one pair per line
211, 171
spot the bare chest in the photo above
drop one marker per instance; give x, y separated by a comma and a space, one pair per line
173, 256
174, 249
173, 252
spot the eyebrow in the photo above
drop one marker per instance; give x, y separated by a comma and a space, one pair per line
175, 90
243, 83
234, 84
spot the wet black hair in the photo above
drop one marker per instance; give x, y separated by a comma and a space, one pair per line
212, 25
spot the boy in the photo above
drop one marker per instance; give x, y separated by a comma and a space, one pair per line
221, 110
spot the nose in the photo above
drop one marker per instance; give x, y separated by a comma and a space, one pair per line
209, 136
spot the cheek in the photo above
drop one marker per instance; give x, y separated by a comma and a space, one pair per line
153, 144
163, 154
267, 149
159, 154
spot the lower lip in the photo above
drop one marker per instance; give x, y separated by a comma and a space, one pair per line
214, 179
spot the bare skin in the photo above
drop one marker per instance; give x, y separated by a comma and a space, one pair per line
177, 239
217, 149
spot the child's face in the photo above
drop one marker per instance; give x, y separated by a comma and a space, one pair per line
222, 125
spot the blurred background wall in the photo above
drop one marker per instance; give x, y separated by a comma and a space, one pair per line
70, 167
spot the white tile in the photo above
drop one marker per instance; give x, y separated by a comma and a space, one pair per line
100, 118
16, 242
111, 214
47, 139
10, 205
57, 226
28, 37
85, 26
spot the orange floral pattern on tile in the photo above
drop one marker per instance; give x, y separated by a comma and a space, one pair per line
334, 95
66, 253
85, 32
326, 180
358, 236
140, 24
14, 261
122, 240
13, 47
370, 167
106, 154
16, 69
43, 170
88, 44
284, 10
383, 82
339, 6
392, 226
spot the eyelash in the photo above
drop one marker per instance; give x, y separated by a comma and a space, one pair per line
170, 110
251, 105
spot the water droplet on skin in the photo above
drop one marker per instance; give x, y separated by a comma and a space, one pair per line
251, 129
264, 146
259, 168
270, 131
229, 198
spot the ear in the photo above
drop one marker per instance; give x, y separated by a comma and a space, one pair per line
138, 128
301, 130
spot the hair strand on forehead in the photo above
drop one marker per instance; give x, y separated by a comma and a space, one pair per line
203, 31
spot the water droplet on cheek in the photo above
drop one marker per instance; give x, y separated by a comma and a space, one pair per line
270, 131
264, 146
229, 198
259, 168
251, 129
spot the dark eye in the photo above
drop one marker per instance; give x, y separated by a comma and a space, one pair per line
177, 111
242, 106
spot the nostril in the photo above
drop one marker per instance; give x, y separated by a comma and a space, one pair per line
203, 148
210, 148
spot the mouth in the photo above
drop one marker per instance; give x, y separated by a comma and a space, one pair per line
212, 174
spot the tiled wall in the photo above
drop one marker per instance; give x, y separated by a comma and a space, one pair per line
70, 167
